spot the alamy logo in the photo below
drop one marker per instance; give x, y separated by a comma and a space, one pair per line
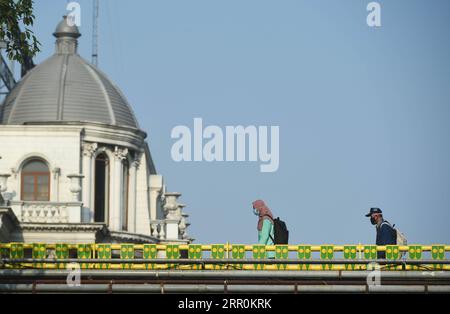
74, 16
374, 16
231, 144
74, 276
374, 277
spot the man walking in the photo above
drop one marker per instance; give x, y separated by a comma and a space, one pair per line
386, 234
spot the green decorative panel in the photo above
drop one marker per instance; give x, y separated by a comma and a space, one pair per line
281, 252
392, 252
304, 252
238, 252
350, 253
415, 252
172, 252
195, 252
126, 252
84, 251
39, 252
259, 252
218, 252
327, 253
370, 252
150, 252
62, 252
438, 253
16, 250
104, 251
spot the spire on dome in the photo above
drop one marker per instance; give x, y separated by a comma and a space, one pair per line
66, 34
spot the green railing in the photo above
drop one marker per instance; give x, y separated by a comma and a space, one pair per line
223, 256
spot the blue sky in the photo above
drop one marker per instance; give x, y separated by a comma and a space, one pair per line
363, 113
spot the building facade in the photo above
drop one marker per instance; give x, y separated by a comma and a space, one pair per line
74, 164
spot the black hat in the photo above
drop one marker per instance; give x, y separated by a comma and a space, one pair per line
374, 211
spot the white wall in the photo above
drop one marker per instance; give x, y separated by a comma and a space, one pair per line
142, 200
59, 146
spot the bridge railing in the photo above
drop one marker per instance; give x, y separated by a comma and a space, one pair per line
224, 256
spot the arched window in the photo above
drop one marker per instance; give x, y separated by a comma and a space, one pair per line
35, 181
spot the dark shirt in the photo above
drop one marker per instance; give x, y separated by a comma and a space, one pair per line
386, 235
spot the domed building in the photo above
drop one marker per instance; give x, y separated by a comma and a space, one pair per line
74, 164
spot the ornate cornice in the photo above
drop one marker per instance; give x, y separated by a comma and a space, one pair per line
124, 237
63, 227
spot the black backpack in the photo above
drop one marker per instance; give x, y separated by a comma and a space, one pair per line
281, 233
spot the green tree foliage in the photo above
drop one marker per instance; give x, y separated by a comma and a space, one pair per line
20, 45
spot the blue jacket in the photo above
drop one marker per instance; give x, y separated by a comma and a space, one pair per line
386, 235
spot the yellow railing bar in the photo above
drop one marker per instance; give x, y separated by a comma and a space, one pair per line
228, 247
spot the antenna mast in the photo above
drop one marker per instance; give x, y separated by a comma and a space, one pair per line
95, 33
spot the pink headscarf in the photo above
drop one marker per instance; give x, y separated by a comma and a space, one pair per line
264, 212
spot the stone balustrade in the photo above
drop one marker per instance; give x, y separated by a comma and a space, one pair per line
47, 212
158, 229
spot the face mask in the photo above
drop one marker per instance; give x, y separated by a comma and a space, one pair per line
256, 212
373, 221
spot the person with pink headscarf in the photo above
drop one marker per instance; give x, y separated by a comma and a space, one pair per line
265, 224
